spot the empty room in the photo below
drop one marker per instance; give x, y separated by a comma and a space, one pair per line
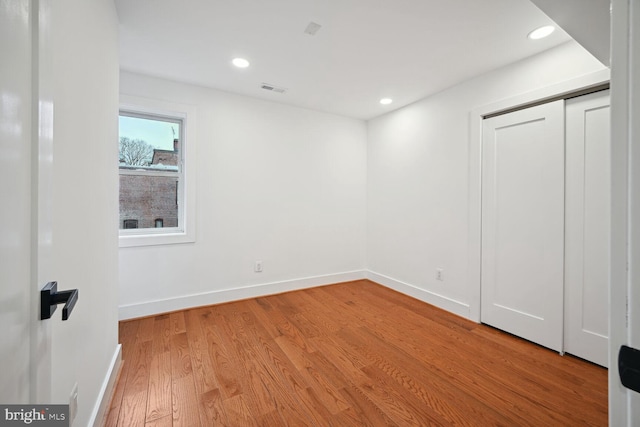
317, 213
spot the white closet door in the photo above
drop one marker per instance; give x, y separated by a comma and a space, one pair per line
523, 223
587, 227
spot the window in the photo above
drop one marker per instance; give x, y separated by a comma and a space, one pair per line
130, 223
152, 163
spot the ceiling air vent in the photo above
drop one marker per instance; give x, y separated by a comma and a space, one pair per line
312, 28
273, 88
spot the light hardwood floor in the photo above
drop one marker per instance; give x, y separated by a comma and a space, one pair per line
351, 354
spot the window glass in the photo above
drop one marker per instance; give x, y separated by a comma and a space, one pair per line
150, 166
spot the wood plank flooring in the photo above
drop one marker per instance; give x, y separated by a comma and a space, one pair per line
351, 354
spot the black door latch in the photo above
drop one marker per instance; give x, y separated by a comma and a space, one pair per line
629, 367
50, 298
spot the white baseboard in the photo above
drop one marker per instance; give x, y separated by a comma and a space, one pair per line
445, 303
104, 397
216, 297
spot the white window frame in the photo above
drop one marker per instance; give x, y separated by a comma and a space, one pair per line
186, 230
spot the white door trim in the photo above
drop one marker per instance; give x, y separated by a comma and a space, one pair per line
587, 81
625, 180
41, 197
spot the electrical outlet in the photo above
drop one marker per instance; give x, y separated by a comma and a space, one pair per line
73, 403
257, 267
439, 274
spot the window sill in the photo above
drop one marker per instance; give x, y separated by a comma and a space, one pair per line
134, 240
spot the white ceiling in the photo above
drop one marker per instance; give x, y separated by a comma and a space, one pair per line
587, 22
365, 49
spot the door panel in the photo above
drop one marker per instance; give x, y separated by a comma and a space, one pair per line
523, 223
26, 124
587, 227
15, 214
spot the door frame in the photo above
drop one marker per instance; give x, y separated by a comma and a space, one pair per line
40, 375
582, 83
625, 180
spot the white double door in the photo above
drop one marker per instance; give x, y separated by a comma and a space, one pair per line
545, 224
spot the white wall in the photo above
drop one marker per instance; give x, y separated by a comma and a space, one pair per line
418, 179
274, 183
289, 186
85, 186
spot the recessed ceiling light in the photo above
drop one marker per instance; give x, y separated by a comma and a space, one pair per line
240, 62
386, 101
542, 32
